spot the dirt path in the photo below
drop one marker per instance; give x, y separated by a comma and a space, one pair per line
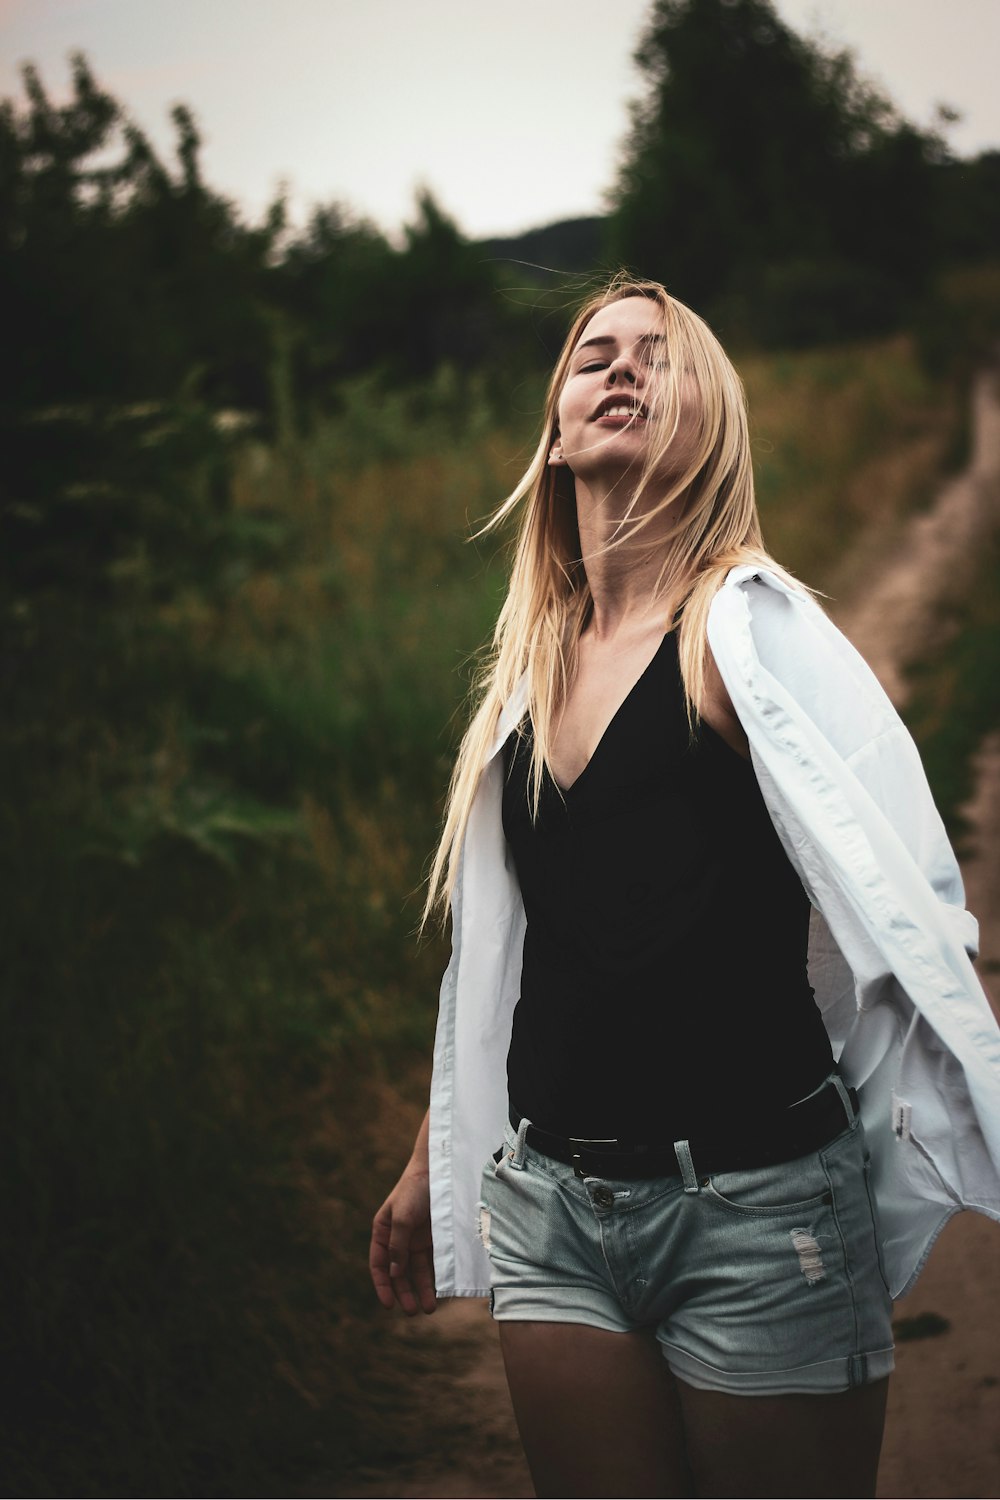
897, 615
943, 1430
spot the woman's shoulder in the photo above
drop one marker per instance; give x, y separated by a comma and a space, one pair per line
760, 581
777, 620
761, 618
780, 653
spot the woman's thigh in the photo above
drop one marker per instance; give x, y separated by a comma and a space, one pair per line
799, 1445
598, 1412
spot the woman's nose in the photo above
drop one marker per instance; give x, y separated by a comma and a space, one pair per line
625, 368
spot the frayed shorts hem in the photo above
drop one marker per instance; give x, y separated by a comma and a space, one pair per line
827, 1377
540, 1304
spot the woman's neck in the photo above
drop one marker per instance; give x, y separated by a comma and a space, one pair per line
625, 580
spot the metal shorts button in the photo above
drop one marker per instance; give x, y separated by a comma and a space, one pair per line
604, 1197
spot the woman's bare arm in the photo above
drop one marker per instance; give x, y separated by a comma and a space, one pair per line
719, 712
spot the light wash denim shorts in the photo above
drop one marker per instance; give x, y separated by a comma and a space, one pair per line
757, 1282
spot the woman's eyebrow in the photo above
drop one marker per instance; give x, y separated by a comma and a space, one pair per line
607, 338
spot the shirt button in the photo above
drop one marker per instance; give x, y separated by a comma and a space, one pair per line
604, 1197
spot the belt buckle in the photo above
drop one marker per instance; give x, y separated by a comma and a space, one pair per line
579, 1144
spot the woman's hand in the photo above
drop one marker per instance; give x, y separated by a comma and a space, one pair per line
400, 1259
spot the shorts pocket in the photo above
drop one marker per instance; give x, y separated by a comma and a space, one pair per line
875, 1224
794, 1188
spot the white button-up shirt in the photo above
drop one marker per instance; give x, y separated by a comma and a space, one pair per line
890, 939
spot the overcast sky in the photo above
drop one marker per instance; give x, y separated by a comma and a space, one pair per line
511, 111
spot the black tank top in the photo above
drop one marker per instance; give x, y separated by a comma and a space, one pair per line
664, 989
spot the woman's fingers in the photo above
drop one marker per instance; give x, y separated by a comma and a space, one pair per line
389, 1256
411, 1273
403, 1288
381, 1256
400, 1260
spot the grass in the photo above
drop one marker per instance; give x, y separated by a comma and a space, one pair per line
224, 766
956, 697
847, 443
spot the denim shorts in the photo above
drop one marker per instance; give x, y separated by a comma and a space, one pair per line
758, 1282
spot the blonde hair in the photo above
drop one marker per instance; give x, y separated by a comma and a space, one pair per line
714, 526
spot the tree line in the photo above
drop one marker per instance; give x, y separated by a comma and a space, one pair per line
762, 178
772, 182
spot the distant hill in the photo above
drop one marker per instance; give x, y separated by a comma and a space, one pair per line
572, 245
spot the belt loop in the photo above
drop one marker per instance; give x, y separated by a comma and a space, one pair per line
517, 1155
845, 1097
683, 1153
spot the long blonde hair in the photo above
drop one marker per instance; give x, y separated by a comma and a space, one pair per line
714, 527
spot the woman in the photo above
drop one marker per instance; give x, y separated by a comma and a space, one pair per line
683, 807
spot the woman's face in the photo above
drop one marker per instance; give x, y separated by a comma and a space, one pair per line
611, 386
604, 405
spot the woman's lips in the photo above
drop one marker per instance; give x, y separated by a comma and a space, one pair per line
620, 413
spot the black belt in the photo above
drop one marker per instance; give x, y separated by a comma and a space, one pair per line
802, 1128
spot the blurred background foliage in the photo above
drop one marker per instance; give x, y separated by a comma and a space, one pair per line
240, 465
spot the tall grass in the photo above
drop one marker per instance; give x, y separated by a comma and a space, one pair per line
848, 442
956, 697
225, 767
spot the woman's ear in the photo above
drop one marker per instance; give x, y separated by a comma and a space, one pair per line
557, 459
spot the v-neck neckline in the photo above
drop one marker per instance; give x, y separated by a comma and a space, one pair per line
566, 791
